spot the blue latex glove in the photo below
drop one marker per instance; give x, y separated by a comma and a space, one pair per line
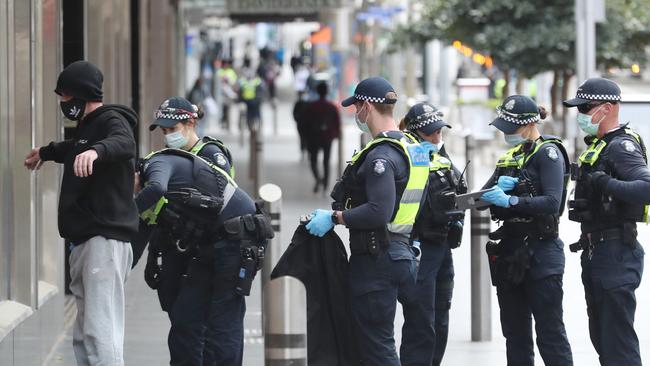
320, 223
507, 183
497, 197
431, 148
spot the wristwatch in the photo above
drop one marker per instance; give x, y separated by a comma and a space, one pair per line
335, 218
513, 200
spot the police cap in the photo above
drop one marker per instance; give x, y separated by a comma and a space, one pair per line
425, 118
595, 90
173, 111
514, 112
373, 90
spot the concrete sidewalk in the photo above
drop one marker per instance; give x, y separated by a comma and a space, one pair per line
147, 325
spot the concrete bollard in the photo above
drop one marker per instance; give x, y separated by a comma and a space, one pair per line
285, 322
481, 287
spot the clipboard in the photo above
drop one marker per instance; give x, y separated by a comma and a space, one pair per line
471, 200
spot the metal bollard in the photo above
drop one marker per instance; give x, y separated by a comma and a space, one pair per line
255, 152
285, 323
271, 194
481, 288
274, 106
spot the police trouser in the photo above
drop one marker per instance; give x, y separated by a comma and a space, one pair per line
610, 278
541, 298
377, 282
426, 321
206, 314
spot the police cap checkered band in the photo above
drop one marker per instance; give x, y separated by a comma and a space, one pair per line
175, 114
373, 90
375, 99
518, 119
423, 120
600, 97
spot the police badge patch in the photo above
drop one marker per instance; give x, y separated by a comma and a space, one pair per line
379, 166
628, 145
552, 153
510, 105
220, 159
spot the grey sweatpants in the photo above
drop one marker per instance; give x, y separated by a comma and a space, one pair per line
99, 268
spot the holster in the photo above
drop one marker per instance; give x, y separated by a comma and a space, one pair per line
493, 250
153, 268
629, 234
370, 242
510, 269
252, 227
455, 235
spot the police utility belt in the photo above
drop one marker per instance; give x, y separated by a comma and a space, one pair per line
189, 218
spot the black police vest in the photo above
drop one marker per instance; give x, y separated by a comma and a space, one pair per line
444, 183
349, 192
208, 140
592, 207
515, 164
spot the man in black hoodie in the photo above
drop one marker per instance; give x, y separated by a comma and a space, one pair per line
97, 213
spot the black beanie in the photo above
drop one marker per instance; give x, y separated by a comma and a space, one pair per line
82, 80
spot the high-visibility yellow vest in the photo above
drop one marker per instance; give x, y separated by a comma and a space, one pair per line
592, 154
409, 204
249, 88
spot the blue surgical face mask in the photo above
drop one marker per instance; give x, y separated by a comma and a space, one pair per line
175, 140
585, 123
514, 139
362, 125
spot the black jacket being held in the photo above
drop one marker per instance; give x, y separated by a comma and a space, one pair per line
322, 266
101, 204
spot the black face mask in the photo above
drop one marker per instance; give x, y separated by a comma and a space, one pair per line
73, 109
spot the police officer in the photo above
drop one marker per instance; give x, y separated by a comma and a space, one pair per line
195, 210
438, 229
177, 118
527, 196
612, 193
378, 198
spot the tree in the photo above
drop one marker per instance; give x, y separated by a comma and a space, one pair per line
533, 36
623, 38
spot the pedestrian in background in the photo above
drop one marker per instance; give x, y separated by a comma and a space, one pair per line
322, 126
228, 86
527, 194
97, 214
251, 90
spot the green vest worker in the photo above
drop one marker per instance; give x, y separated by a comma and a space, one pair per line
378, 199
